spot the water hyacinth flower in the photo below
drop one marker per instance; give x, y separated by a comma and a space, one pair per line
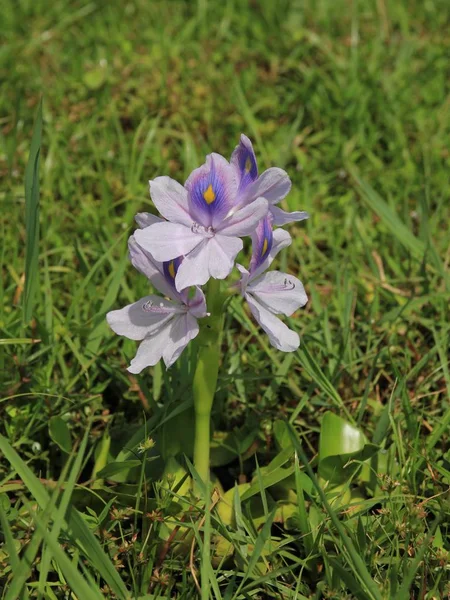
272, 293
273, 184
164, 326
202, 222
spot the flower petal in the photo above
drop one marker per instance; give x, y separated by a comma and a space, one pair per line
194, 270
182, 331
281, 217
213, 258
211, 191
223, 251
150, 351
243, 160
166, 241
197, 304
245, 276
280, 239
153, 270
144, 219
245, 220
280, 336
274, 185
279, 292
136, 321
170, 198
262, 239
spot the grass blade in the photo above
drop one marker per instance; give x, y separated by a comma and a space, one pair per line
356, 562
32, 218
74, 524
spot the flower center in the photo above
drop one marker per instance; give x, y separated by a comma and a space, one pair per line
207, 232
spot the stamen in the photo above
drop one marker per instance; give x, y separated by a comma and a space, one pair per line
160, 309
171, 269
201, 230
248, 164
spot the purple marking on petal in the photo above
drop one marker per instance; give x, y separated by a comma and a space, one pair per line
280, 239
279, 292
262, 241
170, 269
243, 160
212, 190
152, 269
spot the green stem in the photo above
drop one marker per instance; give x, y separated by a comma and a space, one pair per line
205, 377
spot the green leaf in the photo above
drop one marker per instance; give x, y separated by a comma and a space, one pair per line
60, 434
227, 446
342, 447
117, 467
32, 219
274, 477
281, 434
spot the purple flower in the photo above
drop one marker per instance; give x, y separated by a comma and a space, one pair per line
164, 326
271, 293
274, 184
203, 224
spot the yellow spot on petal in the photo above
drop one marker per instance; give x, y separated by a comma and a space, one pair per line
172, 269
209, 195
264, 248
248, 165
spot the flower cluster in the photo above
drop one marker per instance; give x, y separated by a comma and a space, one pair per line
198, 238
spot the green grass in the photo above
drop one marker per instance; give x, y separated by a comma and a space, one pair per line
352, 99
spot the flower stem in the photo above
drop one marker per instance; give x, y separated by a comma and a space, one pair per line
205, 377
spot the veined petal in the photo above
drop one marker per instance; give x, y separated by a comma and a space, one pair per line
182, 330
150, 350
211, 191
245, 276
170, 198
136, 321
279, 292
274, 185
281, 217
166, 241
280, 336
222, 252
244, 221
153, 270
194, 270
262, 239
243, 160
144, 219
197, 304
280, 239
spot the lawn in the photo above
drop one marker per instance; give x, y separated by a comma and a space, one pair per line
330, 464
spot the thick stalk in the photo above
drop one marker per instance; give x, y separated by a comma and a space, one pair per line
205, 377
